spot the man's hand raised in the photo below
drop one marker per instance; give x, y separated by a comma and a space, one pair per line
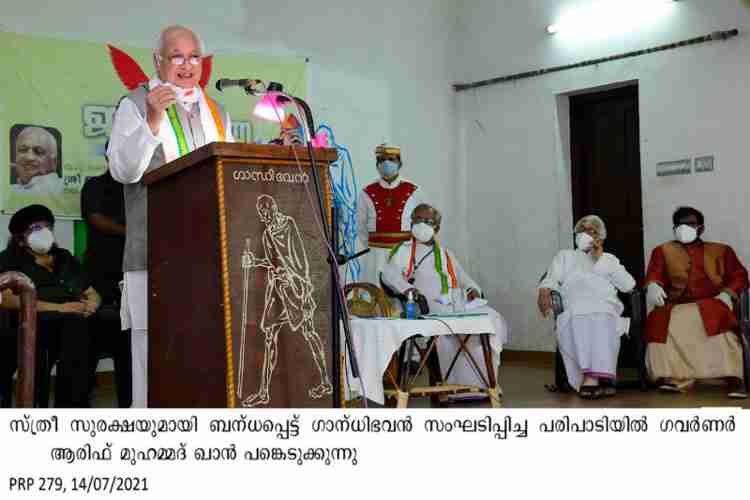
158, 100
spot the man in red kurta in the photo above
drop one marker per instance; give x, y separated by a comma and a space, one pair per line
692, 331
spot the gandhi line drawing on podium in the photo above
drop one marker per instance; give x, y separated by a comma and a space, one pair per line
288, 300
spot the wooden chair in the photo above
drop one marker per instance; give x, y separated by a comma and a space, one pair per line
367, 301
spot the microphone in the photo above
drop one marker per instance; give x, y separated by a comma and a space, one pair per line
343, 259
245, 83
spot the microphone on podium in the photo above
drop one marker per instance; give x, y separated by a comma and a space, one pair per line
246, 83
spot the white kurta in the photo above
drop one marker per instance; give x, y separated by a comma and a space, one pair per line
131, 147
48, 184
427, 281
591, 324
373, 262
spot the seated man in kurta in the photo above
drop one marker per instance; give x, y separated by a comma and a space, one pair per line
425, 267
692, 331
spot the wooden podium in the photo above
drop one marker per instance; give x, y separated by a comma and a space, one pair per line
239, 283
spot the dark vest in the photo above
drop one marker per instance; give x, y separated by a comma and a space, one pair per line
136, 199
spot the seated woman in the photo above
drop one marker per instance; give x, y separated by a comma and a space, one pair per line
65, 300
590, 327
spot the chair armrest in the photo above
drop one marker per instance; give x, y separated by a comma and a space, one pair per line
637, 306
22, 286
557, 303
743, 307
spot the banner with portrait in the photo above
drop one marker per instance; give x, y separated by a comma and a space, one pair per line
58, 99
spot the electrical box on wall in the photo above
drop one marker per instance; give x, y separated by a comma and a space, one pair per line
677, 167
704, 164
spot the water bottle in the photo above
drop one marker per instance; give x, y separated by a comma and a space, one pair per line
458, 296
411, 306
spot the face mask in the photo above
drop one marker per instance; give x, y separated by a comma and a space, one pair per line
388, 168
422, 232
584, 241
185, 97
685, 234
41, 241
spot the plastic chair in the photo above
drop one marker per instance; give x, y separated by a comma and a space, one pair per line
633, 341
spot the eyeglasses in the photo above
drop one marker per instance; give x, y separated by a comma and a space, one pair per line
36, 226
590, 231
180, 60
429, 222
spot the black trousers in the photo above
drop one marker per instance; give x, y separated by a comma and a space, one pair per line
109, 341
65, 338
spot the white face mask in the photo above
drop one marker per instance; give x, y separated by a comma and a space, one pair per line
185, 97
685, 234
584, 242
423, 232
41, 241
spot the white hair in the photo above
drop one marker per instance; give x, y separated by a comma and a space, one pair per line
168, 31
596, 222
426, 206
44, 134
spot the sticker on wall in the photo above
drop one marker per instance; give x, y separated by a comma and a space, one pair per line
704, 164
676, 167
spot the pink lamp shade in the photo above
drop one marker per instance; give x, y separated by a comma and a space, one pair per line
268, 108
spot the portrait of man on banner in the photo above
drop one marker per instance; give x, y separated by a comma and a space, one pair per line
35, 160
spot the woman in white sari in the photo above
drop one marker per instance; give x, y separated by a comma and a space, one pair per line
590, 326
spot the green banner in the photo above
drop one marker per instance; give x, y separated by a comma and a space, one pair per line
57, 99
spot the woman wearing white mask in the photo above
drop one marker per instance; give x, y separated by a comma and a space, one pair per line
65, 300
590, 327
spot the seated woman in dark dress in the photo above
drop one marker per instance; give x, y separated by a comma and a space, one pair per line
65, 300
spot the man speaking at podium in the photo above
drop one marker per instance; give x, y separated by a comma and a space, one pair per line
160, 121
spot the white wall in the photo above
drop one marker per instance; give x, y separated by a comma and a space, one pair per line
378, 70
693, 101
381, 71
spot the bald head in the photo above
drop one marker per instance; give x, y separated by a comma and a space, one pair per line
176, 47
174, 31
36, 154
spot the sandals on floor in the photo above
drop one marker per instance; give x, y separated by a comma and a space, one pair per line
590, 392
738, 394
676, 388
668, 387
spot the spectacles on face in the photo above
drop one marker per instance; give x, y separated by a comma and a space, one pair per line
36, 226
429, 222
694, 225
590, 231
179, 60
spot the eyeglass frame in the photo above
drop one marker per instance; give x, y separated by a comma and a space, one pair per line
430, 222
173, 59
37, 226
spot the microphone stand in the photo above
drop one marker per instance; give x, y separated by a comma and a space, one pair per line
339, 314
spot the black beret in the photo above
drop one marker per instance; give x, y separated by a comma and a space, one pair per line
25, 217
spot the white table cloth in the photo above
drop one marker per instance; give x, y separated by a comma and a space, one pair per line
375, 341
